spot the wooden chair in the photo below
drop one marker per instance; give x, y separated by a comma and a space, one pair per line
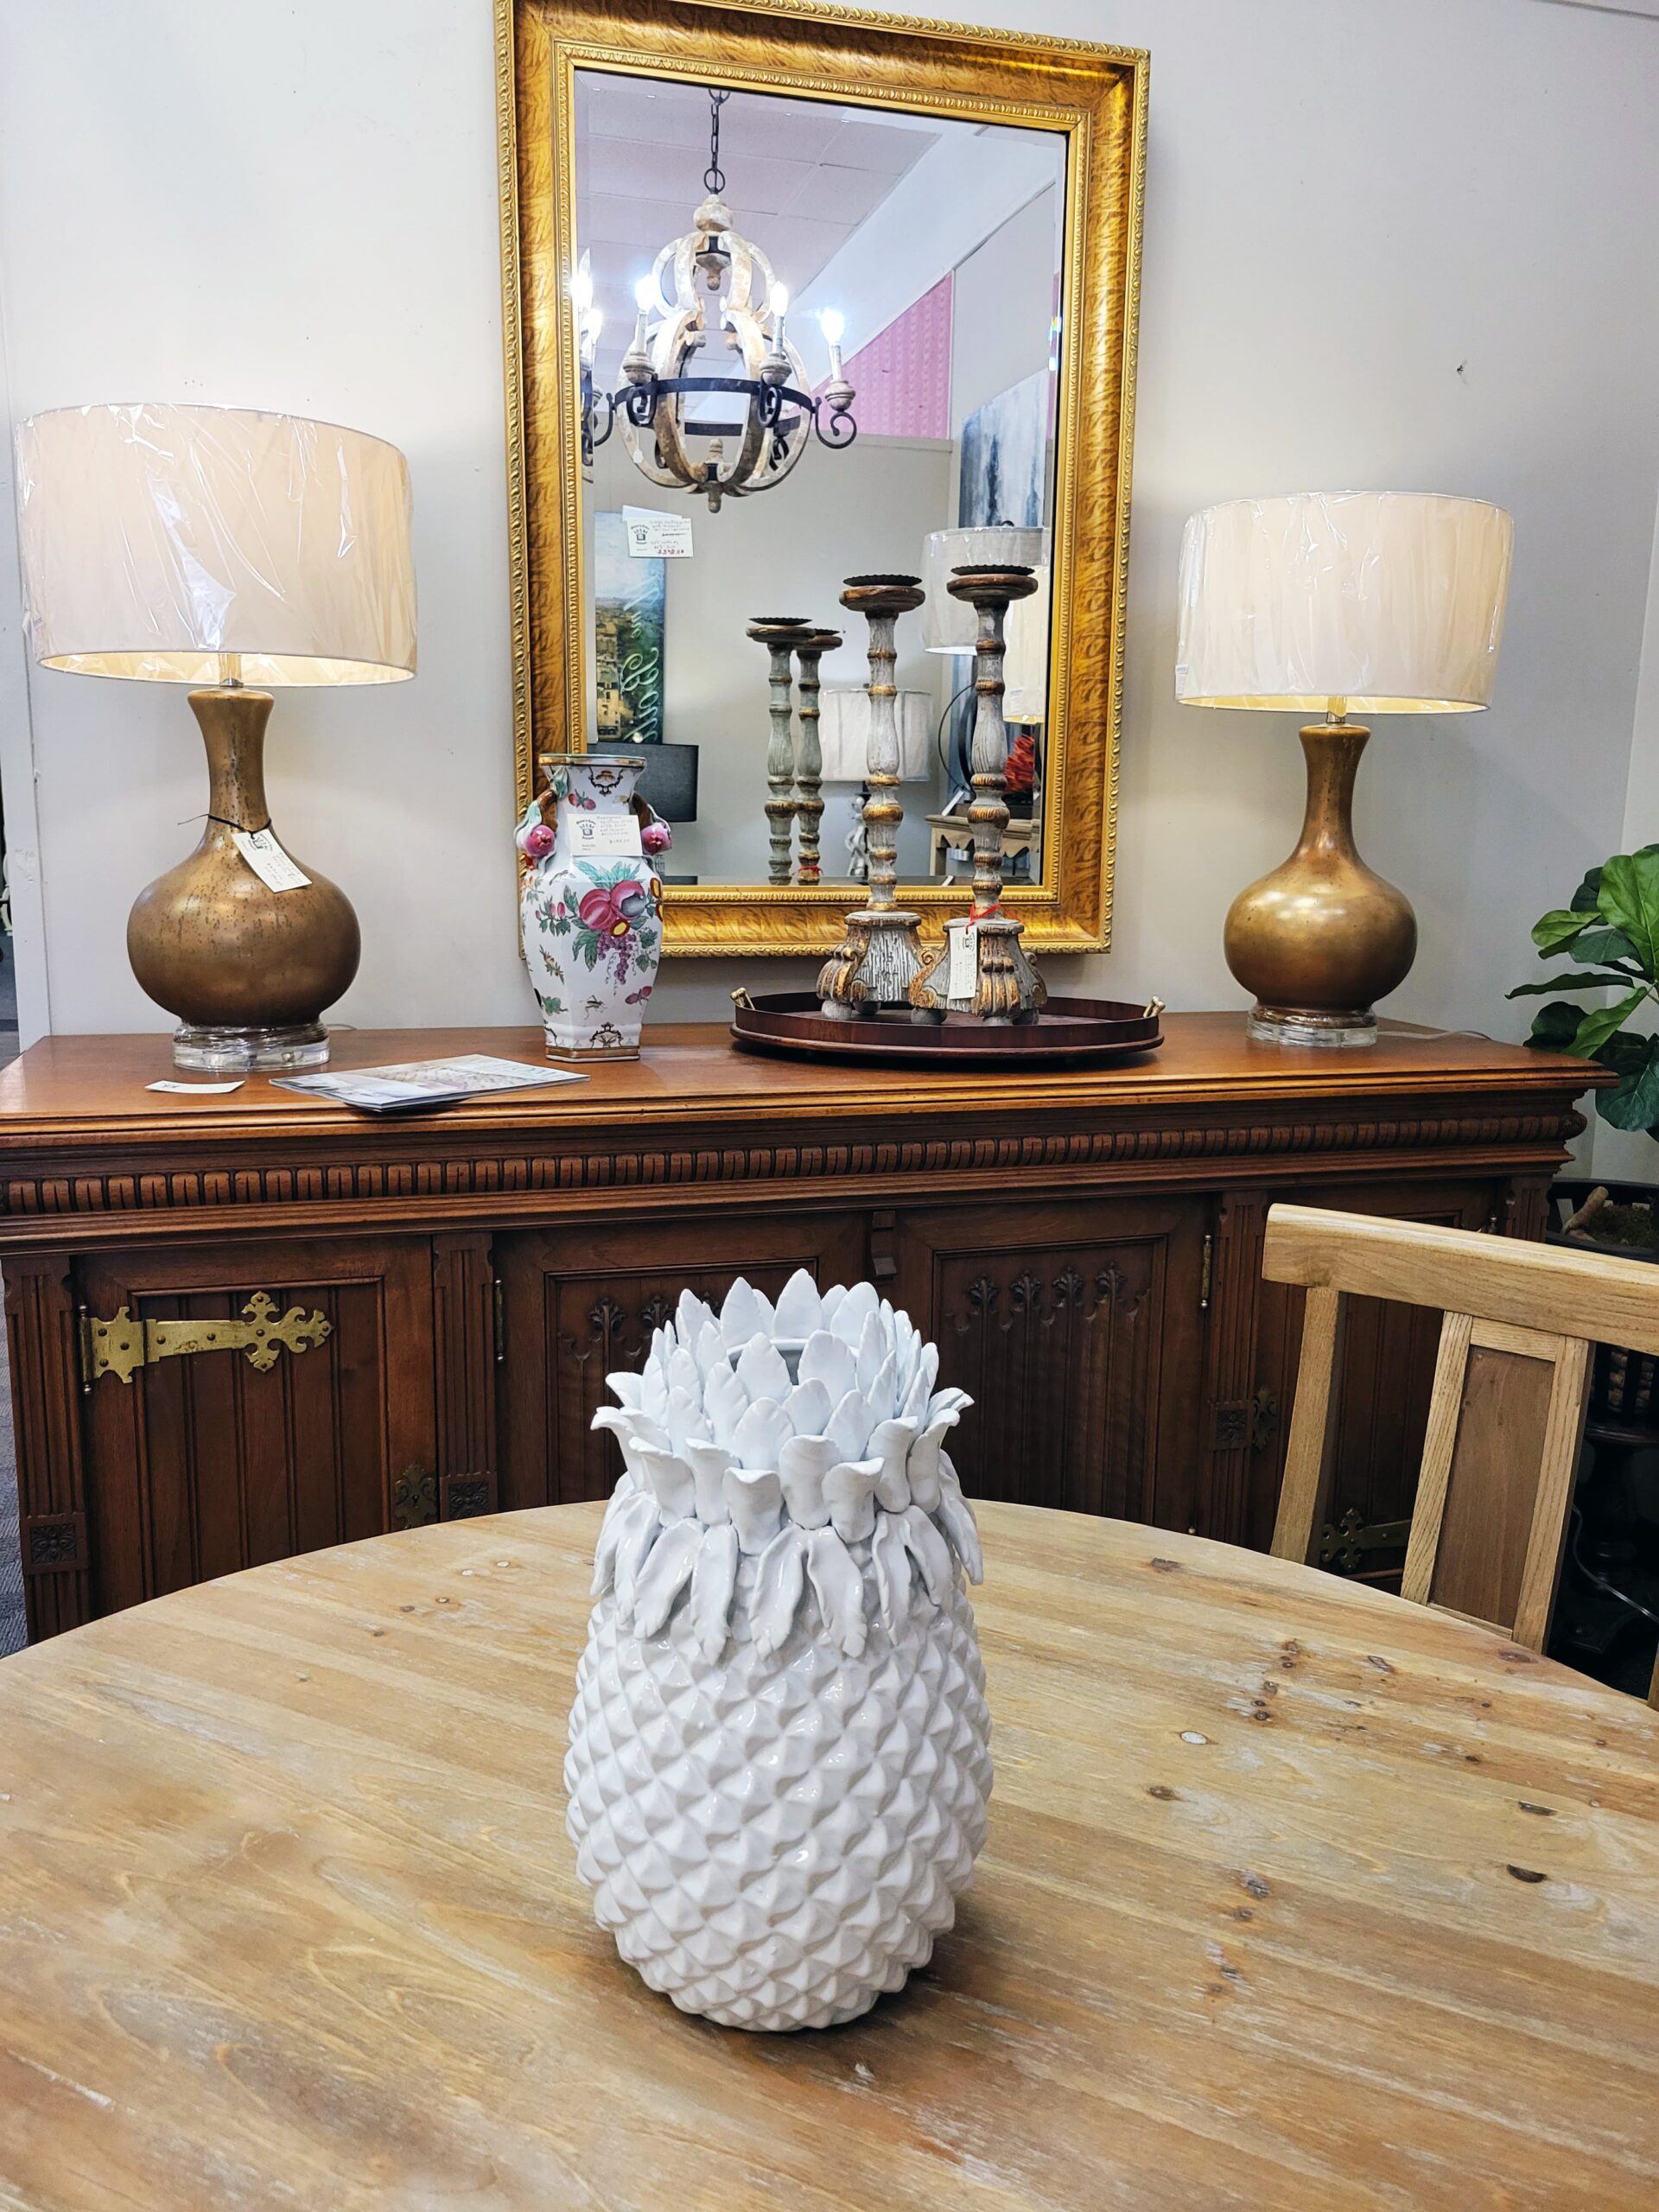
1506, 1416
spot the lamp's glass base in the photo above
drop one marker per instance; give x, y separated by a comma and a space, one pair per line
210, 1051
1274, 1024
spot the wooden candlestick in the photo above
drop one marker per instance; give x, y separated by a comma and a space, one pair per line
1007, 987
779, 634
881, 955
809, 753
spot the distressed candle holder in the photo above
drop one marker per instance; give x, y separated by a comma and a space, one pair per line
779, 634
880, 954
809, 754
1006, 986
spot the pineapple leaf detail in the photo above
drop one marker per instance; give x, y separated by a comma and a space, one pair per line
773, 1451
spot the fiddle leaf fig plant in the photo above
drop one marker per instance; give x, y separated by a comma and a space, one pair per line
1611, 932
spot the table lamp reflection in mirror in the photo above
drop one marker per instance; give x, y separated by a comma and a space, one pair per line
1386, 603
239, 551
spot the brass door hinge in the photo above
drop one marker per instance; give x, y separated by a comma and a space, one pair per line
1244, 1424
1207, 1274
1345, 1546
500, 1310
122, 1346
415, 1497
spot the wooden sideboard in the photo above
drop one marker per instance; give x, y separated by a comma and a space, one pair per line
1085, 1248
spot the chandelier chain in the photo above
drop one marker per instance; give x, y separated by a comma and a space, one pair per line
714, 177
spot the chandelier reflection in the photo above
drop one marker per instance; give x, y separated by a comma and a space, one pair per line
710, 292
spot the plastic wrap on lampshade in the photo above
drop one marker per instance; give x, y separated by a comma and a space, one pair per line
844, 734
159, 540
1390, 602
950, 625
1025, 670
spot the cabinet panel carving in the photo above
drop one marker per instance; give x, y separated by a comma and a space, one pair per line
1070, 1327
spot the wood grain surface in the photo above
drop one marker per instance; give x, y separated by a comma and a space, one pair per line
64, 1084
1295, 1896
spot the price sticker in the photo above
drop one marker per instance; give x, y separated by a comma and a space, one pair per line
593, 835
184, 1090
268, 860
964, 961
653, 536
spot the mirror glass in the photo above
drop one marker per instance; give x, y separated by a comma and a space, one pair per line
930, 248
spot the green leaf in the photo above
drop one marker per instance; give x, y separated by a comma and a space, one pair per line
1597, 1028
1587, 897
1624, 1053
1604, 945
1629, 899
1557, 929
1553, 1024
1578, 980
1634, 1103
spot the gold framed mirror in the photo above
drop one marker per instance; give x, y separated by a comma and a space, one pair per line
956, 214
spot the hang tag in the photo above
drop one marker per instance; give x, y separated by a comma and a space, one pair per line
654, 535
268, 860
184, 1090
611, 834
964, 961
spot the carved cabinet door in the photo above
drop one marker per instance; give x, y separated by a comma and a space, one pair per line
1079, 1329
578, 1303
244, 1402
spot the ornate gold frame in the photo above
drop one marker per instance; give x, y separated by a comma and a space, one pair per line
1097, 96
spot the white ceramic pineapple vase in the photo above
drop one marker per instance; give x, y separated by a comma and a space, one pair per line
779, 1750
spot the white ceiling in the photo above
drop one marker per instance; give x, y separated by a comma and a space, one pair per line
801, 176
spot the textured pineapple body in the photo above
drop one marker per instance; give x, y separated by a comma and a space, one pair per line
775, 1841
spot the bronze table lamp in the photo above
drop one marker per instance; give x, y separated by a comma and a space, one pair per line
1388, 602
238, 551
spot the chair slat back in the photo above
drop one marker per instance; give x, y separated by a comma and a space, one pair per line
1506, 1413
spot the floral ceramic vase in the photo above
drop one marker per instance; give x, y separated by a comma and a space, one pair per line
780, 1752
591, 905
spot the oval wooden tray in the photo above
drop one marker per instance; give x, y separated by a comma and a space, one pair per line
1073, 1032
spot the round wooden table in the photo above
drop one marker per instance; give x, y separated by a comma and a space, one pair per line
1295, 1896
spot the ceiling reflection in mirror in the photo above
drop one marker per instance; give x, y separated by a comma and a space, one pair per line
816, 341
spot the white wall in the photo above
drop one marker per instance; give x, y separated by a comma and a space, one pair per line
1403, 245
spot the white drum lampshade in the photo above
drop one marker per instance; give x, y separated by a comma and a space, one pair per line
950, 625
1383, 603
844, 734
237, 551
156, 540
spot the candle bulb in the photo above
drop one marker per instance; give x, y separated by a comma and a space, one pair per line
642, 292
832, 324
778, 304
582, 300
